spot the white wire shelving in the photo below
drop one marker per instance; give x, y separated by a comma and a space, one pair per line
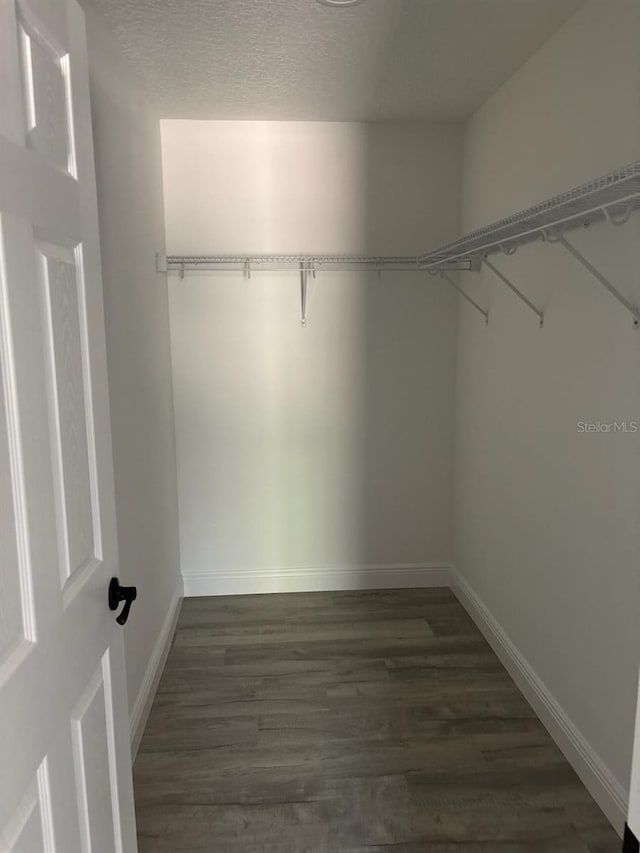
611, 198
287, 263
304, 265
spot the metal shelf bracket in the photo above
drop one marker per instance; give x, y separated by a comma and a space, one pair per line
466, 296
613, 290
539, 314
619, 218
303, 294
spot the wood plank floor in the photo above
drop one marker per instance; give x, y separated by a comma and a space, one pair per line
349, 721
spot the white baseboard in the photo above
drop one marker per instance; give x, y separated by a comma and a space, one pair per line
401, 576
601, 783
155, 666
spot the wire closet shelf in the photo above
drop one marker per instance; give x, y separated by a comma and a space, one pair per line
610, 198
312, 263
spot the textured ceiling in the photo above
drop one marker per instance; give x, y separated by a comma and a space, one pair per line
299, 60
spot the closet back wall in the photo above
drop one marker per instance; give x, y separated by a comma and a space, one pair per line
317, 457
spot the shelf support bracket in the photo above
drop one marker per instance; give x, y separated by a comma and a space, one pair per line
464, 295
539, 314
303, 294
631, 308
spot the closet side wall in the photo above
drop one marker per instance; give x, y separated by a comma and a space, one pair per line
546, 512
317, 457
129, 180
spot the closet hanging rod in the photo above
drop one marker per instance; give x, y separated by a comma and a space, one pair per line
612, 198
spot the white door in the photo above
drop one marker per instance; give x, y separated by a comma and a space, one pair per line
65, 766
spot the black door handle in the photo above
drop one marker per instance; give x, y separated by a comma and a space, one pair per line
117, 594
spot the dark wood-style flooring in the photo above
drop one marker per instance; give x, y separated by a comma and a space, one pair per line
350, 721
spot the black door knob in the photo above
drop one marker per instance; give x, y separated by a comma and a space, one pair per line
117, 594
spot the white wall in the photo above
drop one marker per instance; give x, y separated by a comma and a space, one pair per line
130, 206
546, 518
317, 457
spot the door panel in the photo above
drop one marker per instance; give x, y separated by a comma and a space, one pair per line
65, 766
11, 623
93, 759
30, 828
13, 595
17, 603
69, 399
46, 98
